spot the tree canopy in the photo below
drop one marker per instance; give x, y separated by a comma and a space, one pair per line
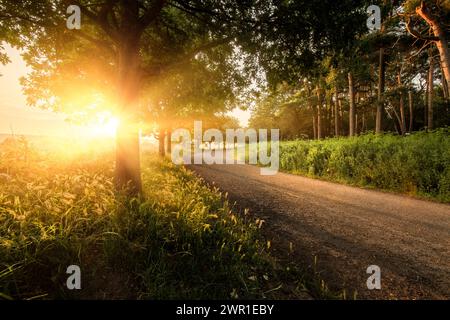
180, 56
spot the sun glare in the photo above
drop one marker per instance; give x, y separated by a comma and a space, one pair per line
110, 127
104, 127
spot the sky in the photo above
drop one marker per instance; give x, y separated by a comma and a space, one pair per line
18, 118
15, 116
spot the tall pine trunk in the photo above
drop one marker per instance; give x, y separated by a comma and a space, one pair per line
381, 79
319, 113
336, 114
381, 85
430, 92
351, 97
341, 118
402, 106
440, 35
411, 111
445, 88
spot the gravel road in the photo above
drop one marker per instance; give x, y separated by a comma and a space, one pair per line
347, 229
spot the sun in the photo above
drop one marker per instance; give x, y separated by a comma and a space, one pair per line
110, 127
104, 126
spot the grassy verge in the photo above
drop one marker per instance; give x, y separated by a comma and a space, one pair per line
418, 164
182, 240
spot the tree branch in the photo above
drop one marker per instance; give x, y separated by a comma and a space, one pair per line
100, 18
99, 43
40, 23
107, 8
423, 12
157, 71
417, 34
151, 14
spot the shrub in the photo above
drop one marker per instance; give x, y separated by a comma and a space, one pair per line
416, 164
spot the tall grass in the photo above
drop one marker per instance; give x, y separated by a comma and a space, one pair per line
418, 164
181, 240
52, 210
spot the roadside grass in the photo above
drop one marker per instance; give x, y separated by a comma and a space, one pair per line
417, 165
182, 240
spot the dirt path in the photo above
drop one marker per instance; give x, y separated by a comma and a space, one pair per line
348, 229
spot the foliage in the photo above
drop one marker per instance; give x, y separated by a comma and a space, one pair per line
182, 240
416, 164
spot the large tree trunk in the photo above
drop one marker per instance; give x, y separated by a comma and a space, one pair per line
439, 33
430, 92
351, 96
128, 171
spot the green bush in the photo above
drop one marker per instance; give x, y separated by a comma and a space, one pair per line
415, 164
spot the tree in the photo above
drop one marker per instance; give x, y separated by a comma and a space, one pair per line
351, 94
430, 92
436, 14
131, 42
125, 44
198, 92
382, 68
401, 104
